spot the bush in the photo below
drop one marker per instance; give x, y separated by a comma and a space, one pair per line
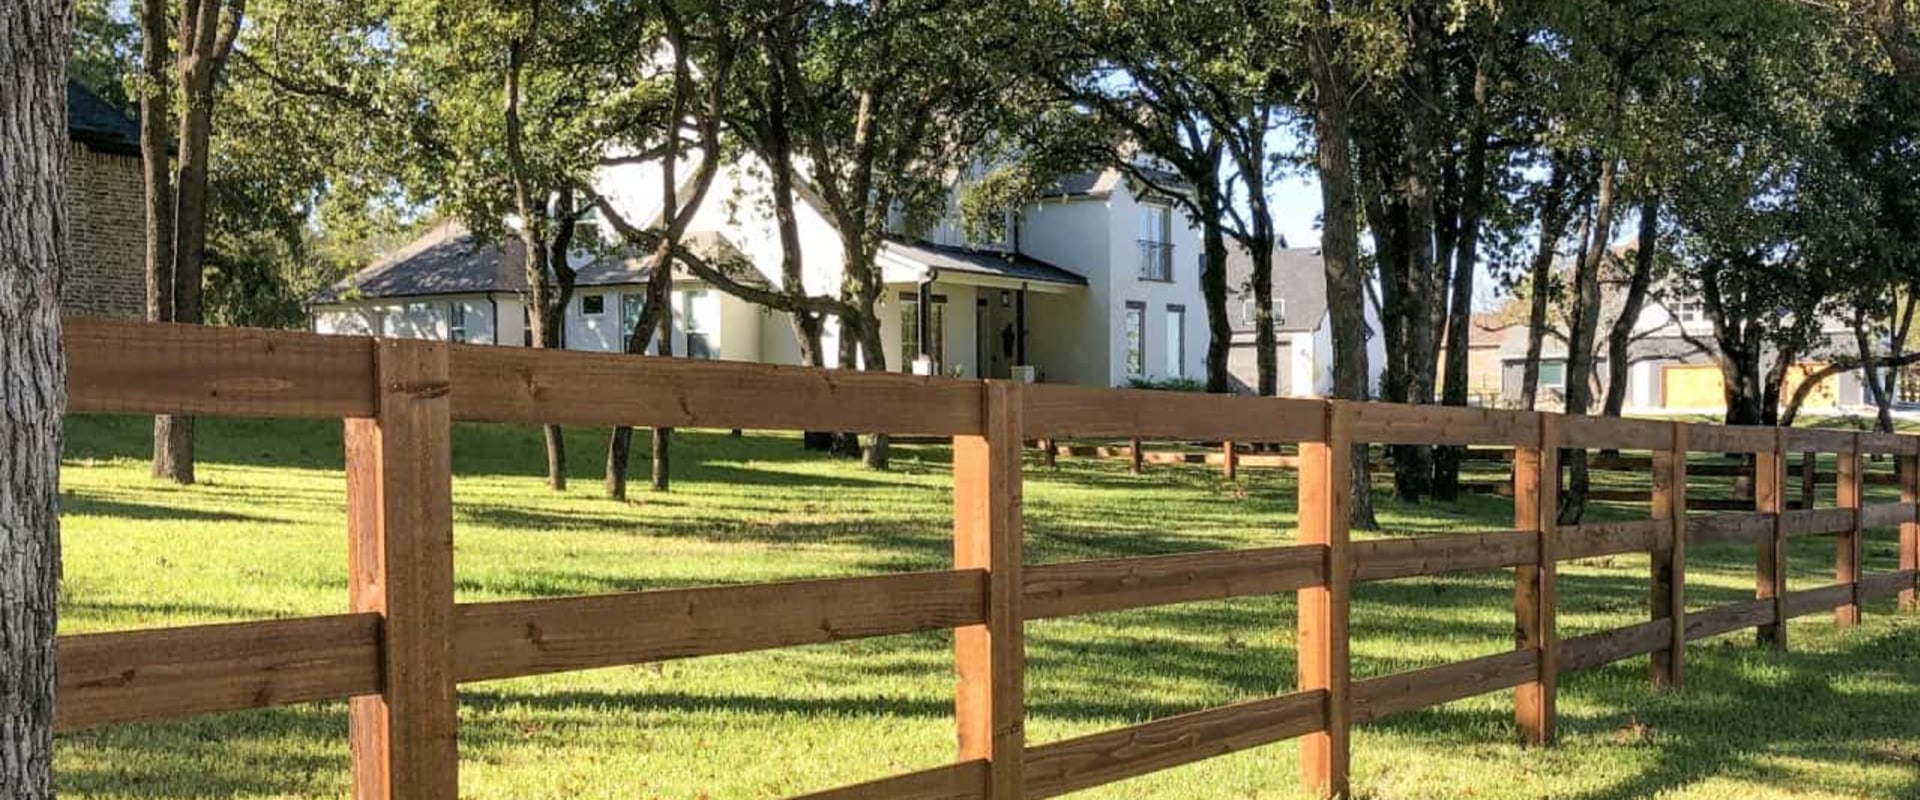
1167, 385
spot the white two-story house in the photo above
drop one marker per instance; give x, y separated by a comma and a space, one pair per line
1097, 283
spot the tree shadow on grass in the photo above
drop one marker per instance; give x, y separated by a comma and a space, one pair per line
72, 503
1741, 705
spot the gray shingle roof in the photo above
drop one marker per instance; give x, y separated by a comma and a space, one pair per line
1099, 182
447, 259
984, 262
99, 124
1299, 279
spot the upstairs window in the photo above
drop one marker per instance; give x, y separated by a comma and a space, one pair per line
1156, 243
1689, 310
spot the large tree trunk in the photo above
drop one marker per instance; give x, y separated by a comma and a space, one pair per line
1213, 291
156, 168
202, 52
1585, 326
1556, 211
1340, 248
34, 36
1620, 336
1466, 254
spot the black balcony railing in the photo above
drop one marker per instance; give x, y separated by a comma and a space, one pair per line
1156, 261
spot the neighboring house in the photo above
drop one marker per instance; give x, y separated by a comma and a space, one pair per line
106, 217
1671, 369
1096, 284
1303, 329
447, 285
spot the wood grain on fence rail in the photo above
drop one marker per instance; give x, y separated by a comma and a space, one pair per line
1057, 410
1886, 584
1722, 439
1741, 528
1088, 761
1376, 698
1729, 618
521, 385
116, 367
1596, 539
1884, 515
1387, 559
514, 638
966, 780
1597, 649
172, 672
1385, 423
1088, 587
1614, 433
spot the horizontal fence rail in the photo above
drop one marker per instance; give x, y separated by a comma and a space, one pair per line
399, 656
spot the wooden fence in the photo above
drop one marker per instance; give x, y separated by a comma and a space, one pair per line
406, 645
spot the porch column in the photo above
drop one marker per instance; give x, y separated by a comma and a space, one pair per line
1020, 326
924, 321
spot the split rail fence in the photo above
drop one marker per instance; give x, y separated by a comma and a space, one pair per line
406, 644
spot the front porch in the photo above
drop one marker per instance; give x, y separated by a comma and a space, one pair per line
976, 314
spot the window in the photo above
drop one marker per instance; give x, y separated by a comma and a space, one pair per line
1553, 374
699, 332
910, 345
1176, 341
457, 322
631, 307
1156, 248
1688, 310
1249, 310
593, 305
1137, 340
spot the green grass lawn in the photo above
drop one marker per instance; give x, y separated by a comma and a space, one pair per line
263, 536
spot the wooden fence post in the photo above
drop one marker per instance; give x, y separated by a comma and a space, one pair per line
1770, 577
1668, 667
1536, 495
1326, 486
1050, 453
1910, 530
1230, 462
990, 700
1134, 456
400, 565
1846, 556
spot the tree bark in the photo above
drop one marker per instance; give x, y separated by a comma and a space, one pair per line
1466, 254
1620, 336
1585, 326
34, 43
1556, 211
156, 169
1213, 291
1340, 245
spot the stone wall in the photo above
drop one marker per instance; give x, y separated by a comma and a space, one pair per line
107, 273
